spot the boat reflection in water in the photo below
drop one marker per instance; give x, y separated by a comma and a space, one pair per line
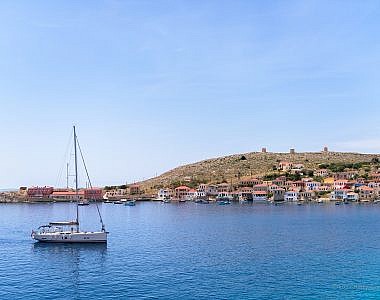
75, 248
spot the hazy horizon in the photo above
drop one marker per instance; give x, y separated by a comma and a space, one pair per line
152, 85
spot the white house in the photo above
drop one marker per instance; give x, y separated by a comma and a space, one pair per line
164, 194
297, 168
191, 194
201, 194
351, 196
260, 196
340, 184
291, 196
115, 194
339, 195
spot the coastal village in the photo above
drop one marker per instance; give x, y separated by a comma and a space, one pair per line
288, 182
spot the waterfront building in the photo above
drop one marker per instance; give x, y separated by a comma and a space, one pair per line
23, 191
40, 192
164, 194
70, 195
351, 196
260, 196
246, 193
67, 195
225, 195
306, 195
224, 188
278, 194
366, 193
201, 194
181, 192
93, 193
191, 194
291, 196
134, 189
212, 190
202, 188
115, 194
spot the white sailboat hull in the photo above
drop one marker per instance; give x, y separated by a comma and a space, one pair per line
71, 237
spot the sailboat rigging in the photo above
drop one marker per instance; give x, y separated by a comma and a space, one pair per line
69, 231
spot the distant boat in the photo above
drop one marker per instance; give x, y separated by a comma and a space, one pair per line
376, 201
83, 203
118, 202
166, 201
68, 231
224, 202
130, 203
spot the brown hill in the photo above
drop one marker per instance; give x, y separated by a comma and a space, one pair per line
231, 168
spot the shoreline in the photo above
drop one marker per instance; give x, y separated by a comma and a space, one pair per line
274, 203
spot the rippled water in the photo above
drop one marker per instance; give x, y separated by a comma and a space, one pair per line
195, 251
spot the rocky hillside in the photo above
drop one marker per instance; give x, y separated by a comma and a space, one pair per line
231, 168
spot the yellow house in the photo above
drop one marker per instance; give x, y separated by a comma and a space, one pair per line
328, 180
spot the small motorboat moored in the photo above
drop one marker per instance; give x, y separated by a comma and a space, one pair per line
224, 202
83, 203
130, 203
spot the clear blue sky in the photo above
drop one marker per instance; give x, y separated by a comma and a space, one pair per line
155, 84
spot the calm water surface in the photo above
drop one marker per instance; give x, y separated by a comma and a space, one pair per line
196, 251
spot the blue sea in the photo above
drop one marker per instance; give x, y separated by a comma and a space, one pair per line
195, 251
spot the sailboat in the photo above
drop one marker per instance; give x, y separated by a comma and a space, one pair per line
69, 231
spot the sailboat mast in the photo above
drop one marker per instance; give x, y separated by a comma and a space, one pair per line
67, 175
76, 175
